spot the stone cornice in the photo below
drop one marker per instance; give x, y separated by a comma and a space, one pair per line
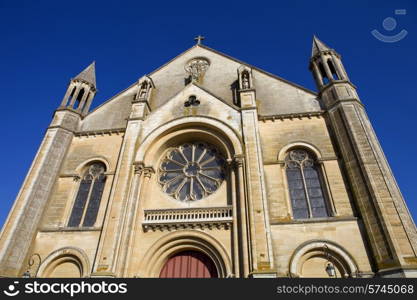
292, 116
68, 229
339, 102
335, 82
103, 132
69, 109
61, 127
92, 86
136, 119
328, 51
314, 220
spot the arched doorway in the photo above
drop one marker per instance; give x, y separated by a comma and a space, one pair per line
189, 264
322, 259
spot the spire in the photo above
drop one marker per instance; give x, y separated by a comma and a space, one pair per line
81, 90
89, 74
318, 46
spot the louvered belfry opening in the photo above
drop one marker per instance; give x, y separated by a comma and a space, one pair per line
189, 264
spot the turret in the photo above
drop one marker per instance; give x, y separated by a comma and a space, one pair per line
81, 91
390, 230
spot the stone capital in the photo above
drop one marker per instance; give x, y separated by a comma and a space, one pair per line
148, 171
138, 169
238, 160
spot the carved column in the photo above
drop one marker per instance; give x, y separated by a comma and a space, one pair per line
111, 247
260, 233
317, 74
338, 67
242, 216
67, 94
84, 98
88, 104
234, 191
141, 196
128, 227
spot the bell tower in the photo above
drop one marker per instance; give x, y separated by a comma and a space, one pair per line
22, 223
81, 91
390, 230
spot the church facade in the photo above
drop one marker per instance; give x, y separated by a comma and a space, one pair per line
210, 167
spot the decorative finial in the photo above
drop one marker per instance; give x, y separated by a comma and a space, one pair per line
199, 38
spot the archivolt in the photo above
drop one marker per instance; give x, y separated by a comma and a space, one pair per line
215, 131
75, 255
172, 243
316, 247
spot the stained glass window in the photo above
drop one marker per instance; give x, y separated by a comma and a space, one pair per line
191, 171
305, 185
87, 201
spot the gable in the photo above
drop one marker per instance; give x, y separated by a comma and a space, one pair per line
274, 95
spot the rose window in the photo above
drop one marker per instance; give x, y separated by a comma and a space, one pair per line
191, 171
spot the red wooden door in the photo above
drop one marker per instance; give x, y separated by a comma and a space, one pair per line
189, 264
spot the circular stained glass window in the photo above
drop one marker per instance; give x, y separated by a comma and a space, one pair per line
192, 171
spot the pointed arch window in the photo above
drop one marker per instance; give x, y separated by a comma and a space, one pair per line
333, 69
90, 191
323, 73
305, 185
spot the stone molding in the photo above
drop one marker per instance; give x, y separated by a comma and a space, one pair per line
78, 256
314, 220
94, 133
68, 229
300, 116
188, 218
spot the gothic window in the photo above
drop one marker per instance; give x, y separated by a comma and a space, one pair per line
79, 97
305, 185
191, 171
87, 202
71, 95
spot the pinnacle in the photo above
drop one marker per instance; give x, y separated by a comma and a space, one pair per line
88, 74
318, 46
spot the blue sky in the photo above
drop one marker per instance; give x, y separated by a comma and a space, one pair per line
45, 43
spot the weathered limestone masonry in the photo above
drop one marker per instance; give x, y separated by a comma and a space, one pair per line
391, 230
22, 223
262, 256
211, 167
118, 227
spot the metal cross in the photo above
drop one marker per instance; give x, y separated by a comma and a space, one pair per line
199, 38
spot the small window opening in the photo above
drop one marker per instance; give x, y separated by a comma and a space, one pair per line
332, 69
323, 74
78, 100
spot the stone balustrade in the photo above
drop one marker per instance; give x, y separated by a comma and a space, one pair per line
207, 217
